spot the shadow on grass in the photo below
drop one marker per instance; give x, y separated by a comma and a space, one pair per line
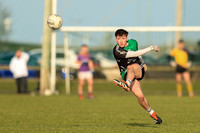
140, 125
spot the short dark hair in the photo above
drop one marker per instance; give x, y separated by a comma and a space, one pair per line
181, 41
84, 45
121, 32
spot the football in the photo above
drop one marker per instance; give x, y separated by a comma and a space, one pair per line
54, 21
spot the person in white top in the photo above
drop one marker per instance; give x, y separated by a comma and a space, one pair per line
18, 67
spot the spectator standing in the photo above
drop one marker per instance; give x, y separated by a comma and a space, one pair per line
18, 66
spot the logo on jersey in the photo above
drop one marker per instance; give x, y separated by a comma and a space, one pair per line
122, 68
122, 52
131, 60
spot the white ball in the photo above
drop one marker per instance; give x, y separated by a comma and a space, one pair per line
54, 21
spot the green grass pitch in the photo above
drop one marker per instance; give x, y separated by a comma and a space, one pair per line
112, 110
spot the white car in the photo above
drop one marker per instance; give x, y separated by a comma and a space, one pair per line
60, 56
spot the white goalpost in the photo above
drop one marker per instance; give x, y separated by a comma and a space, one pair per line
132, 29
53, 52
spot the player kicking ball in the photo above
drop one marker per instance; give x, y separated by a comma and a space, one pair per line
132, 68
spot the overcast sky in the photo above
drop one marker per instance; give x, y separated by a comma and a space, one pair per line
27, 17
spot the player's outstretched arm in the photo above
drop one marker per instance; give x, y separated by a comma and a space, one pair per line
142, 51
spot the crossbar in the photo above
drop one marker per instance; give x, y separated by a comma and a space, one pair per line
131, 29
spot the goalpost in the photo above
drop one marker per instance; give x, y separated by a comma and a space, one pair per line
53, 52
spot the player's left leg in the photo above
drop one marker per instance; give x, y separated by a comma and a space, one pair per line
90, 88
186, 76
137, 91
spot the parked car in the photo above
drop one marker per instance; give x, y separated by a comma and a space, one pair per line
60, 56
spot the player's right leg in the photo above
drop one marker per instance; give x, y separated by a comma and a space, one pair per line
80, 85
178, 84
186, 76
80, 88
137, 91
132, 71
18, 83
24, 84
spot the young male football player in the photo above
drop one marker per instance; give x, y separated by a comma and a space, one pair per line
181, 56
131, 66
85, 72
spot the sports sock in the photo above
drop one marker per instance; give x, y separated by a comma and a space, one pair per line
128, 81
179, 89
190, 89
150, 111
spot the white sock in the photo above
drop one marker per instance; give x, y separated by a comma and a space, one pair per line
150, 111
128, 81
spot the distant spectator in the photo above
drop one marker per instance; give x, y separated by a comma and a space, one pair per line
181, 64
86, 70
18, 66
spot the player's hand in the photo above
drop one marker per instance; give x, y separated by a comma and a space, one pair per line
92, 72
77, 65
189, 64
145, 67
156, 48
173, 63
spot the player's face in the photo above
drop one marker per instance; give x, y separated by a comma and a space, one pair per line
181, 45
84, 50
121, 40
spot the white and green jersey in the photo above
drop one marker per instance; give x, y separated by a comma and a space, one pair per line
120, 54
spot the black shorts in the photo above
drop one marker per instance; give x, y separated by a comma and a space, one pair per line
143, 73
180, 69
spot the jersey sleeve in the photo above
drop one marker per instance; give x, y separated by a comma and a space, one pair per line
25, 56
119, 52
134, 45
